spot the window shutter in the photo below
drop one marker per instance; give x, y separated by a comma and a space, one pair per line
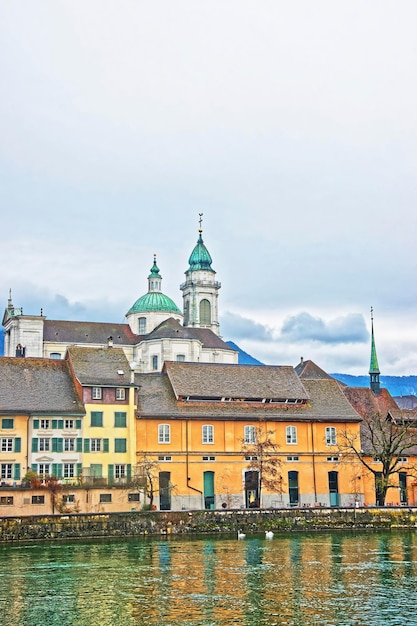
55, 469
59, 469
16, 471
54, 424
35, 423
105, 445
129, 471
17, 444
110, 473
34, 467
79, 444
86, 445
78, 424
79, 469
35, 444
60, 423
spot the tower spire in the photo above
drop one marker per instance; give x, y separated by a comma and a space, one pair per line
373, 367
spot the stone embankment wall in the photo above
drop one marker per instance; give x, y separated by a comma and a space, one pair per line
37, 528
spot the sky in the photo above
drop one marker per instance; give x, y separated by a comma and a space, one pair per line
292, 126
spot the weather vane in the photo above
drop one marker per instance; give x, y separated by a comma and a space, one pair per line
200, 220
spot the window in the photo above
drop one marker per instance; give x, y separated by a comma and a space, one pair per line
97, 393
69, 444
292, 459
44, 469
133, 497
6, 445
68, 424
95, 445
120, 471
333, 459
180, 357
5, 470
120, 445
291, 434
44, 444
55, 355
164, 458
7, 423
142, 325
164, 433
205, 312
250, 434
402, 459
105, 497
251, 458
45, 424
208, 433
96, 418
38, 499
120, 393
208, 458
120, 419
6, 500
330, 436
155, 362
68, 498
69, 470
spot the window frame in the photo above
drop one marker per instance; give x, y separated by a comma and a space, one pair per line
249, 434
291, 435
207, 434
6, 444
164, 433
331, 436
120, 393
96, 393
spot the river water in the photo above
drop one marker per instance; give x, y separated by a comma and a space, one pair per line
366, 579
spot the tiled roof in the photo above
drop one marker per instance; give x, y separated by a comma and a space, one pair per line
100, 366
308, 369
366, 403
88, 332
171, 329
157, 399
213, 380
43, 386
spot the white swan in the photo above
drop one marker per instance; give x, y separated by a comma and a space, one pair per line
240, 535
269, 534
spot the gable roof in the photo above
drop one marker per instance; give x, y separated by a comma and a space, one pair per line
308, 369
172, 329
102, 367
61, 331
367, 404
37, 386
213, 380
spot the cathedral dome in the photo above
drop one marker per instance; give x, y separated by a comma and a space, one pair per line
154, 301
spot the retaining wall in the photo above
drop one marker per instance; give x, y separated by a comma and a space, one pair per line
37, 528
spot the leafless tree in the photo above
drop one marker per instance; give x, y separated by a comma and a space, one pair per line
264, 459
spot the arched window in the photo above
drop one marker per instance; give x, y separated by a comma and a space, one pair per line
142, 325
205, 312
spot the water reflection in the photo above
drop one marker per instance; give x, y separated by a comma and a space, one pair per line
295, 579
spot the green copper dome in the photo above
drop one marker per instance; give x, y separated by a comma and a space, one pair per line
200, 258
154, 301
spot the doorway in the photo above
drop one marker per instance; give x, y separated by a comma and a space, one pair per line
209, 490
252, 489
165, 491
334, 488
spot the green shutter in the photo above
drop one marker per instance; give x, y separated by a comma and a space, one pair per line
35, 444
86, 445
55, 469
78, 424
35, 423
120, 419
16, 471
60, 423
34, 467
59, 470
120, 445
97, 418
17, 444
79, 444
110, 473
129, 471
105, 445
57, 444
79, 469
54, 424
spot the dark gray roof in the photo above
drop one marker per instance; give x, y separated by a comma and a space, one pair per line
157, 399
172, 329
308, 369
37, 386
88, 332
102, 367
212, 380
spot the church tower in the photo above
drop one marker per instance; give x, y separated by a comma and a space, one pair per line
201, 290
373, 368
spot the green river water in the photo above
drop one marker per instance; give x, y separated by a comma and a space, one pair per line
366, 579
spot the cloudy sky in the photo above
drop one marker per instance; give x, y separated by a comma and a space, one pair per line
291, 126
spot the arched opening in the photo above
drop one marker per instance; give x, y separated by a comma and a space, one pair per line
205, 312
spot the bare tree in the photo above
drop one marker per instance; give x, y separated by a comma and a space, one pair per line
145, 477
387, 441
264, 459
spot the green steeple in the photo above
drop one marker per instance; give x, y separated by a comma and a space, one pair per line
200, 258
373, 367
154, 300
